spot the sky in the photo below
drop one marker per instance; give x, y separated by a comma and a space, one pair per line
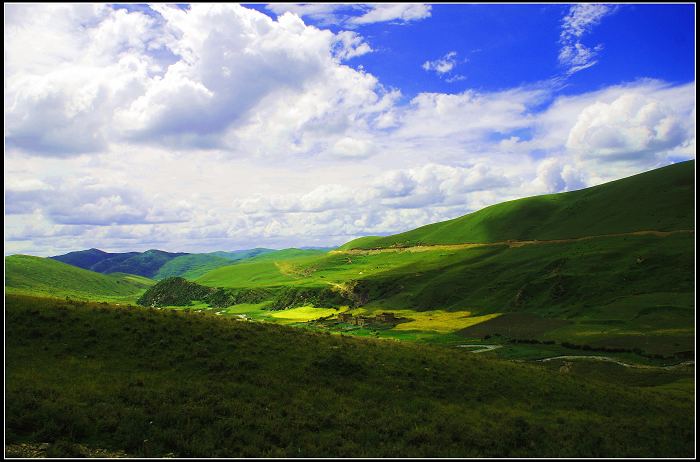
210, 127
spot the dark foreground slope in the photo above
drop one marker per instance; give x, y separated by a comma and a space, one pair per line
155, 383
661, 199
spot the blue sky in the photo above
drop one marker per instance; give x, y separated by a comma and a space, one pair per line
223, 126
503, 46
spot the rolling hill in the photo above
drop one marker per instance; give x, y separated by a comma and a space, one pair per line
191, 266
235, 255
148, 383
44, 276
629, 285
661, 199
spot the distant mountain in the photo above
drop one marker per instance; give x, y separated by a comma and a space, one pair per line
241, 254
140, 263
158, 264
88, 259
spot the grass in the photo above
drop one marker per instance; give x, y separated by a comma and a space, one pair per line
44, 276
151, 383
191, 266
622, 292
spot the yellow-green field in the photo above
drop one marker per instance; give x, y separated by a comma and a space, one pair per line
303, 314
434, 320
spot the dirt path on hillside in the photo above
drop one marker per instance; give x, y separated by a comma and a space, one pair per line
509, 243
613, 360
482, 348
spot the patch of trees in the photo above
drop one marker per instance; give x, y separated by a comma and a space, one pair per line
177, 291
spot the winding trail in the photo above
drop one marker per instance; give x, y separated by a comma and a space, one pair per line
482, 349
613, 360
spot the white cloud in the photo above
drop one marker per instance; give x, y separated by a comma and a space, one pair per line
349, 45
89, 201
442, 65
631, 126
347, 14
556, 175
254, 132
397, 12
581, 19
186, 78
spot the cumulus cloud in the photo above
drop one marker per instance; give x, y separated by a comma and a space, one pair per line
185, 78
557, 175
636, 125
580, 20
62, 82
87, 201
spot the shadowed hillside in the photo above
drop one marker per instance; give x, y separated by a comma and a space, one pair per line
154, 383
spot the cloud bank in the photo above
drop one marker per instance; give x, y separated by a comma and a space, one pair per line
217, 127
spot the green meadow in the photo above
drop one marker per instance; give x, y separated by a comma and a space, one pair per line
552, 326
84, 379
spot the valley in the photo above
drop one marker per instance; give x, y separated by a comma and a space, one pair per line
583, 300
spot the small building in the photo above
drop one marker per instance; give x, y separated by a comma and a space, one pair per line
387, 317
345, 317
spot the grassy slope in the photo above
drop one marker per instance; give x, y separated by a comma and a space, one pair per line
241, 254
632, 291
191, 266
195, 265
270, 269
640, 202
35, 275
156, 382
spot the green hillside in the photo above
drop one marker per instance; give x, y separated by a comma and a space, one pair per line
269, 269
640, 202
191, 266
91, 379
45, 276
241, 254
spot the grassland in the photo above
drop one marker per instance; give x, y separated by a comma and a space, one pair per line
625, 292
191, 266
26, 274
588, 325
153, 383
